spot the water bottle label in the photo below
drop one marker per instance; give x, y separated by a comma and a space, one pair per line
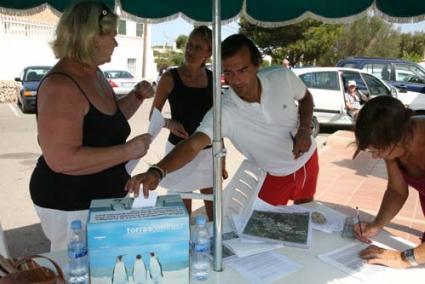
205, 247
78, 253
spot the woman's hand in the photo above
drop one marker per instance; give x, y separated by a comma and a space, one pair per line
149, 180
138, 146
367, 231
224, 173
377, 255
143, 90
176, 128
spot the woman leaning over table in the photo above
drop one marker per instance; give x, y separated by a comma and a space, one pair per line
82, 128
389, 131
188, 90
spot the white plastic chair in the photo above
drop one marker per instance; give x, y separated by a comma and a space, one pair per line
3, 246
242, 190
239, 193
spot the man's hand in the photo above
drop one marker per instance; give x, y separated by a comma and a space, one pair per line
149, 180
302, 142
377, 255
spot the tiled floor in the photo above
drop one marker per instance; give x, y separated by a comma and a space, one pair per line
345, 183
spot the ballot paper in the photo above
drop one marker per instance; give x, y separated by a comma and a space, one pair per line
264, 267
141, 201
155, 126
348, 260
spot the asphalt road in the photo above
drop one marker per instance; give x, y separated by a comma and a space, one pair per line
18, 154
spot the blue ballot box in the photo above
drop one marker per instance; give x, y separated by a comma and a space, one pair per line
138, 245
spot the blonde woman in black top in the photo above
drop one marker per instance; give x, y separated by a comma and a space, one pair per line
188, 90
82, 128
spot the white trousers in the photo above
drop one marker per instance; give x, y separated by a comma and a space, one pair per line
56, 225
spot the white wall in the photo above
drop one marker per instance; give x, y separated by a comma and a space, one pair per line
24, 43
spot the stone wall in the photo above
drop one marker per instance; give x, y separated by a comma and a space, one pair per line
8, 91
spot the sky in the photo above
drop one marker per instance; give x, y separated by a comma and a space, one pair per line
169, 31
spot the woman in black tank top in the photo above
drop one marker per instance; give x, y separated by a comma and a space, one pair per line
82, 128
188, 90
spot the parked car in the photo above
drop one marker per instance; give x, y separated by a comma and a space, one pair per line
121, 81
222, 79
401, 74
327, 86
26, 94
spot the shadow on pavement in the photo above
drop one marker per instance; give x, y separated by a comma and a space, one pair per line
26, 241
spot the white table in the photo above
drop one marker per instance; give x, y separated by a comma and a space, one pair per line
315, 270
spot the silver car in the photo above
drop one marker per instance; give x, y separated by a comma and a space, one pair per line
327, 86
121, 81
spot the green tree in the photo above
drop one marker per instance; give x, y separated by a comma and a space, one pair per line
305, 41
368, 36
181, 41
412, 46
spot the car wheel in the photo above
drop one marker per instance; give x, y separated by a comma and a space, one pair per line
23, 107
315, 127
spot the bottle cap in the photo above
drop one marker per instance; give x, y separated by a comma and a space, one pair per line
76, 225
200, 220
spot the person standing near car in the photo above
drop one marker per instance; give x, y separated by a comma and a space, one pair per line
267, 115
188, 89
82, 128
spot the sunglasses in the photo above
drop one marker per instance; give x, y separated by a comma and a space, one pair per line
105, 11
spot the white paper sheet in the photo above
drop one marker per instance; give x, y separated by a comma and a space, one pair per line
140, 201
244, 247
348, 260
264, 267
156, 124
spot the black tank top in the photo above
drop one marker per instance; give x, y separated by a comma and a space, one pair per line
189, 105
68, 192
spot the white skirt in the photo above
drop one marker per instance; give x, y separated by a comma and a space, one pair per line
198, 174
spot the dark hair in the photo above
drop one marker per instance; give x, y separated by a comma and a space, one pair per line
231, 45
382, 122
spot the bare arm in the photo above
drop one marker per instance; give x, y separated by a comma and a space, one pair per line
131, 103
302, 138
61, 111
394, 198
182, 154
165, 86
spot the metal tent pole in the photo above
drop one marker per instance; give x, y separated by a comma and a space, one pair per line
217, 145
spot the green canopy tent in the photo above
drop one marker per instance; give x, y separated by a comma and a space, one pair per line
266, 13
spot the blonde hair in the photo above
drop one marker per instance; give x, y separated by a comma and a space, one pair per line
77, 28
205, 33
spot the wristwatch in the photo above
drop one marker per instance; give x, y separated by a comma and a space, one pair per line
409, 256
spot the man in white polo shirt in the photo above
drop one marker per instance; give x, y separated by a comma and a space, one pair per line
267, 116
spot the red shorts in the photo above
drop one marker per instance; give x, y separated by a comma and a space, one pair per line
298, 186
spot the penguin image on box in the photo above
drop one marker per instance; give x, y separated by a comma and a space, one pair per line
119, 274
139, 270
155, 269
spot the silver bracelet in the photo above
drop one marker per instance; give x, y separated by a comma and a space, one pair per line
159, 170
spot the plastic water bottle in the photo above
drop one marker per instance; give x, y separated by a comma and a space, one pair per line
77, 253
200, 262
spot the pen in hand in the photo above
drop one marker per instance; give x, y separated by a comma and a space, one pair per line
358, 220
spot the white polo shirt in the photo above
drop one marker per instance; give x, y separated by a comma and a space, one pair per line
262, 131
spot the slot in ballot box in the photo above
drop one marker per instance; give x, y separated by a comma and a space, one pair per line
138, 245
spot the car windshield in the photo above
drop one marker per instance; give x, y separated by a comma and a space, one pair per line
35, 73
410, 73
118, 74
